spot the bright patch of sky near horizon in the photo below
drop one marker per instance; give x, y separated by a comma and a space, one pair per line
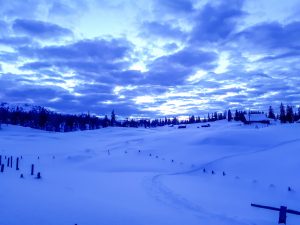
150, 58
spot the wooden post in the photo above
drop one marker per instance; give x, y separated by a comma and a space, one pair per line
17, 164
282, 214
283, 210
2, 168
38, 175
0, 159
32, 169
8, 162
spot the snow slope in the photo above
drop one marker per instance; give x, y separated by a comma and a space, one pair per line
151, 176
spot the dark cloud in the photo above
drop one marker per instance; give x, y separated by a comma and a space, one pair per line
38, 93
241, 99
96, 67
291, 54
224, 91
170, 76
100, 104
87, 89
170, 47
189, 57
126, 77
174, 69
36, 66
217, 22
40, 29
204, 83
87, 50
271, 36
92, 97
174, 6
15, 41
88, 59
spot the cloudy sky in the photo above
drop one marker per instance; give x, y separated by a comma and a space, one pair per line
150, 57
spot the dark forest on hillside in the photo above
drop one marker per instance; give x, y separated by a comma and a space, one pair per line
44, 119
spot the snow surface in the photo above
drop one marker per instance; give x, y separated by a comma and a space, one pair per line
83, 183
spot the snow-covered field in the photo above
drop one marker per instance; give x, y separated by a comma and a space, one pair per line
151, 176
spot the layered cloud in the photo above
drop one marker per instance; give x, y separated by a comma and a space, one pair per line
39, 29
163, 58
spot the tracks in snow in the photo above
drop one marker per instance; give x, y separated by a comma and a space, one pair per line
165, 195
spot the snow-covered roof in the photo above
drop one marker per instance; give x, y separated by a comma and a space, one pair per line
256, 117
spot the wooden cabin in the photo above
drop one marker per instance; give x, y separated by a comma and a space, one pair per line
256, 118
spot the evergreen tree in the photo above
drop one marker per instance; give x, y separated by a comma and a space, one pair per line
271, 114
215, 116
282, 115
225, 115
106, 121
229, 115
289, 114
175, 121
43, 118
192, 119
113, 118
236, 116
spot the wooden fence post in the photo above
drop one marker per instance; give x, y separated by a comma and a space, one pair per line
17, 164
32, 169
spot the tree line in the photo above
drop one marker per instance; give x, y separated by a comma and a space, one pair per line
45, 119
286, 114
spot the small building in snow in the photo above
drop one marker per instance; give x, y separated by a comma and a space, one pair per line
256, 118
183, 126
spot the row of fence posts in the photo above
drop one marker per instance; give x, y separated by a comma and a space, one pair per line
237, 177
9, 164
289, 188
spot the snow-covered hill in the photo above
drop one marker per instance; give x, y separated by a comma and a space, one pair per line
120, 176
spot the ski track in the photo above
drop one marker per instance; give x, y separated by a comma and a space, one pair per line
165, 195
